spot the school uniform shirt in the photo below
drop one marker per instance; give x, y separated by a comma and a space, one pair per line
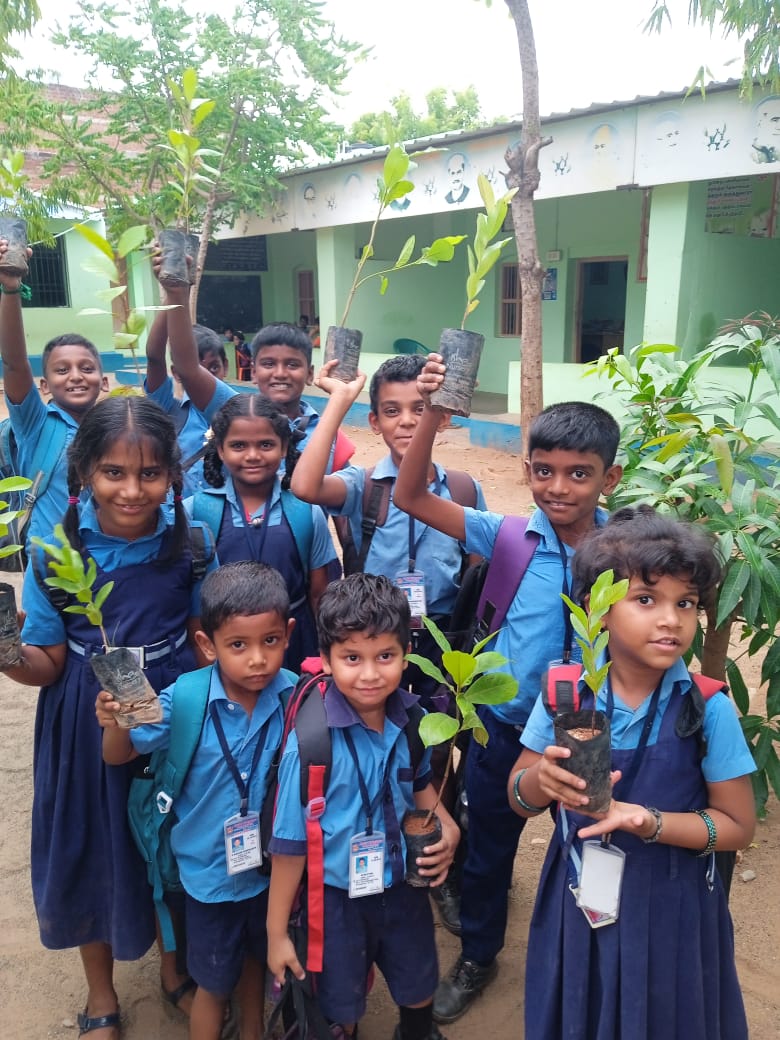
27, 421
322, 550
534, 630
192, 434
44, 625
344, 814
439, 557
727, 753
209, 795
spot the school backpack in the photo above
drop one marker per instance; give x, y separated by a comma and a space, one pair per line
376, 503
46, 458
305, 713
209, 510
488, 587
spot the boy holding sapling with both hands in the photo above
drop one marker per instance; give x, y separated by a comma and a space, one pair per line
370, 914
570, 464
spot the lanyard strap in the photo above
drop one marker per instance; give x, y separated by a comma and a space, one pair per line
414, 545
568, 631
629, 774
369, 804
241, 783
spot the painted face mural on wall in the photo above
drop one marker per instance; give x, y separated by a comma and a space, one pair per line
766, 141
456, 172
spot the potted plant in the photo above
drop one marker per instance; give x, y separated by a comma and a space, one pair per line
107, 264
460, 349
10, 641
586, 732
19, 207
190, 175
117, 669
471, 680
341, 343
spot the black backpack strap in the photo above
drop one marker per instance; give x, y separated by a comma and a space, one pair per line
311, 729
560, 692
413, 738
462, 488
203, 551
376, 502
190, 461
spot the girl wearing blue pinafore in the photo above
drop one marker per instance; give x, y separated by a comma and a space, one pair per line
89, 882
253, 516
665, 967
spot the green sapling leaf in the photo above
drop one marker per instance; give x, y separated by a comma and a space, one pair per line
436, 728
426, 666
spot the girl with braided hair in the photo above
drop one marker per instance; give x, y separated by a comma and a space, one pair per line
89, 882
253, 516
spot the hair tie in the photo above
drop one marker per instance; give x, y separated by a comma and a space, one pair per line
73, 500
177, 498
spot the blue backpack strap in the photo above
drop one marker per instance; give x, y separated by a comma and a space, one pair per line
188, 711
7, 449
512, 552
209, 510
298, 515
48, 450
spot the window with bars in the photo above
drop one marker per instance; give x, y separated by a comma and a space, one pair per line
48, 276
511, 309
306, 301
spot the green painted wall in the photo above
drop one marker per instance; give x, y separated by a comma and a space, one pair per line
287, 254
43, 323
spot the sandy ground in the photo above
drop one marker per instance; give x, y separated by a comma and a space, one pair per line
41, 991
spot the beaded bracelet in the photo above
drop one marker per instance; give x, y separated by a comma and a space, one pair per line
712, 833
24, 291
526, 806
659, 825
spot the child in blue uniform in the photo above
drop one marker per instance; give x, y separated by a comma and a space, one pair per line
89, 882
665, 967
363, 626
191, 422
245, 629
72, 376
253, 518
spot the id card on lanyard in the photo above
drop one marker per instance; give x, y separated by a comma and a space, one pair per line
412, 581
367, 848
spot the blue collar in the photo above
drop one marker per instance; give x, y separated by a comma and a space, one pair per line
340, 713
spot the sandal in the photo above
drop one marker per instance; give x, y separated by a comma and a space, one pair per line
89, 1025
173, 997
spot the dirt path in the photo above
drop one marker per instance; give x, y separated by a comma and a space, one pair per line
41, 991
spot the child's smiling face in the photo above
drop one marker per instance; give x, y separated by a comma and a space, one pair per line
367, 669
567, 486
73, 378
281, 374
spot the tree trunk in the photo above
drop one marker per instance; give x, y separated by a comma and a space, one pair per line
203, 245
716, 646
523, 162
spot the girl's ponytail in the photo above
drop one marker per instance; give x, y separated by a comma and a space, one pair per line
181, 523
70, 519
294, 438
213, 471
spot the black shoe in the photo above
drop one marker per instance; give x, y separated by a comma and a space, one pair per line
447, 900
433, 1035
460, 989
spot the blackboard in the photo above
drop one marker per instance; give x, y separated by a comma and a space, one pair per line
230, 301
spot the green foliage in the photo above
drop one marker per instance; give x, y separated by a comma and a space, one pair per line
755, 22
472, 680
73, 577
593, 640
16, 16
8, 486
402, 123
264, 119
485, 252
19, 200
391, 186
689, 452
106, 264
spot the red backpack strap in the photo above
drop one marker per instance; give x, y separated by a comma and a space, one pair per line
560, 691
708, 687
315, 868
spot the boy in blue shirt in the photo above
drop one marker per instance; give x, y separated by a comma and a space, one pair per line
245, 631
370, 915
569, 466
72, 375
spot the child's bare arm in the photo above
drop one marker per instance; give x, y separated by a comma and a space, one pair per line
117, 746
40, 665
17, 374
411, 487
286, 874
438, 857
318, 582
156, 341
309, 480
199, 383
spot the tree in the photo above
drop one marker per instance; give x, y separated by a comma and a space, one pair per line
402, 123
268, 67
755, 22
18, 16
523, 162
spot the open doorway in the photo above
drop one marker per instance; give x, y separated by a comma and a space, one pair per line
601, 306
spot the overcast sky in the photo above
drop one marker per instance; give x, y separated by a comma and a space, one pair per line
588, 51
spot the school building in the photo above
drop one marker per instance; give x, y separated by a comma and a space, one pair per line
657, 221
